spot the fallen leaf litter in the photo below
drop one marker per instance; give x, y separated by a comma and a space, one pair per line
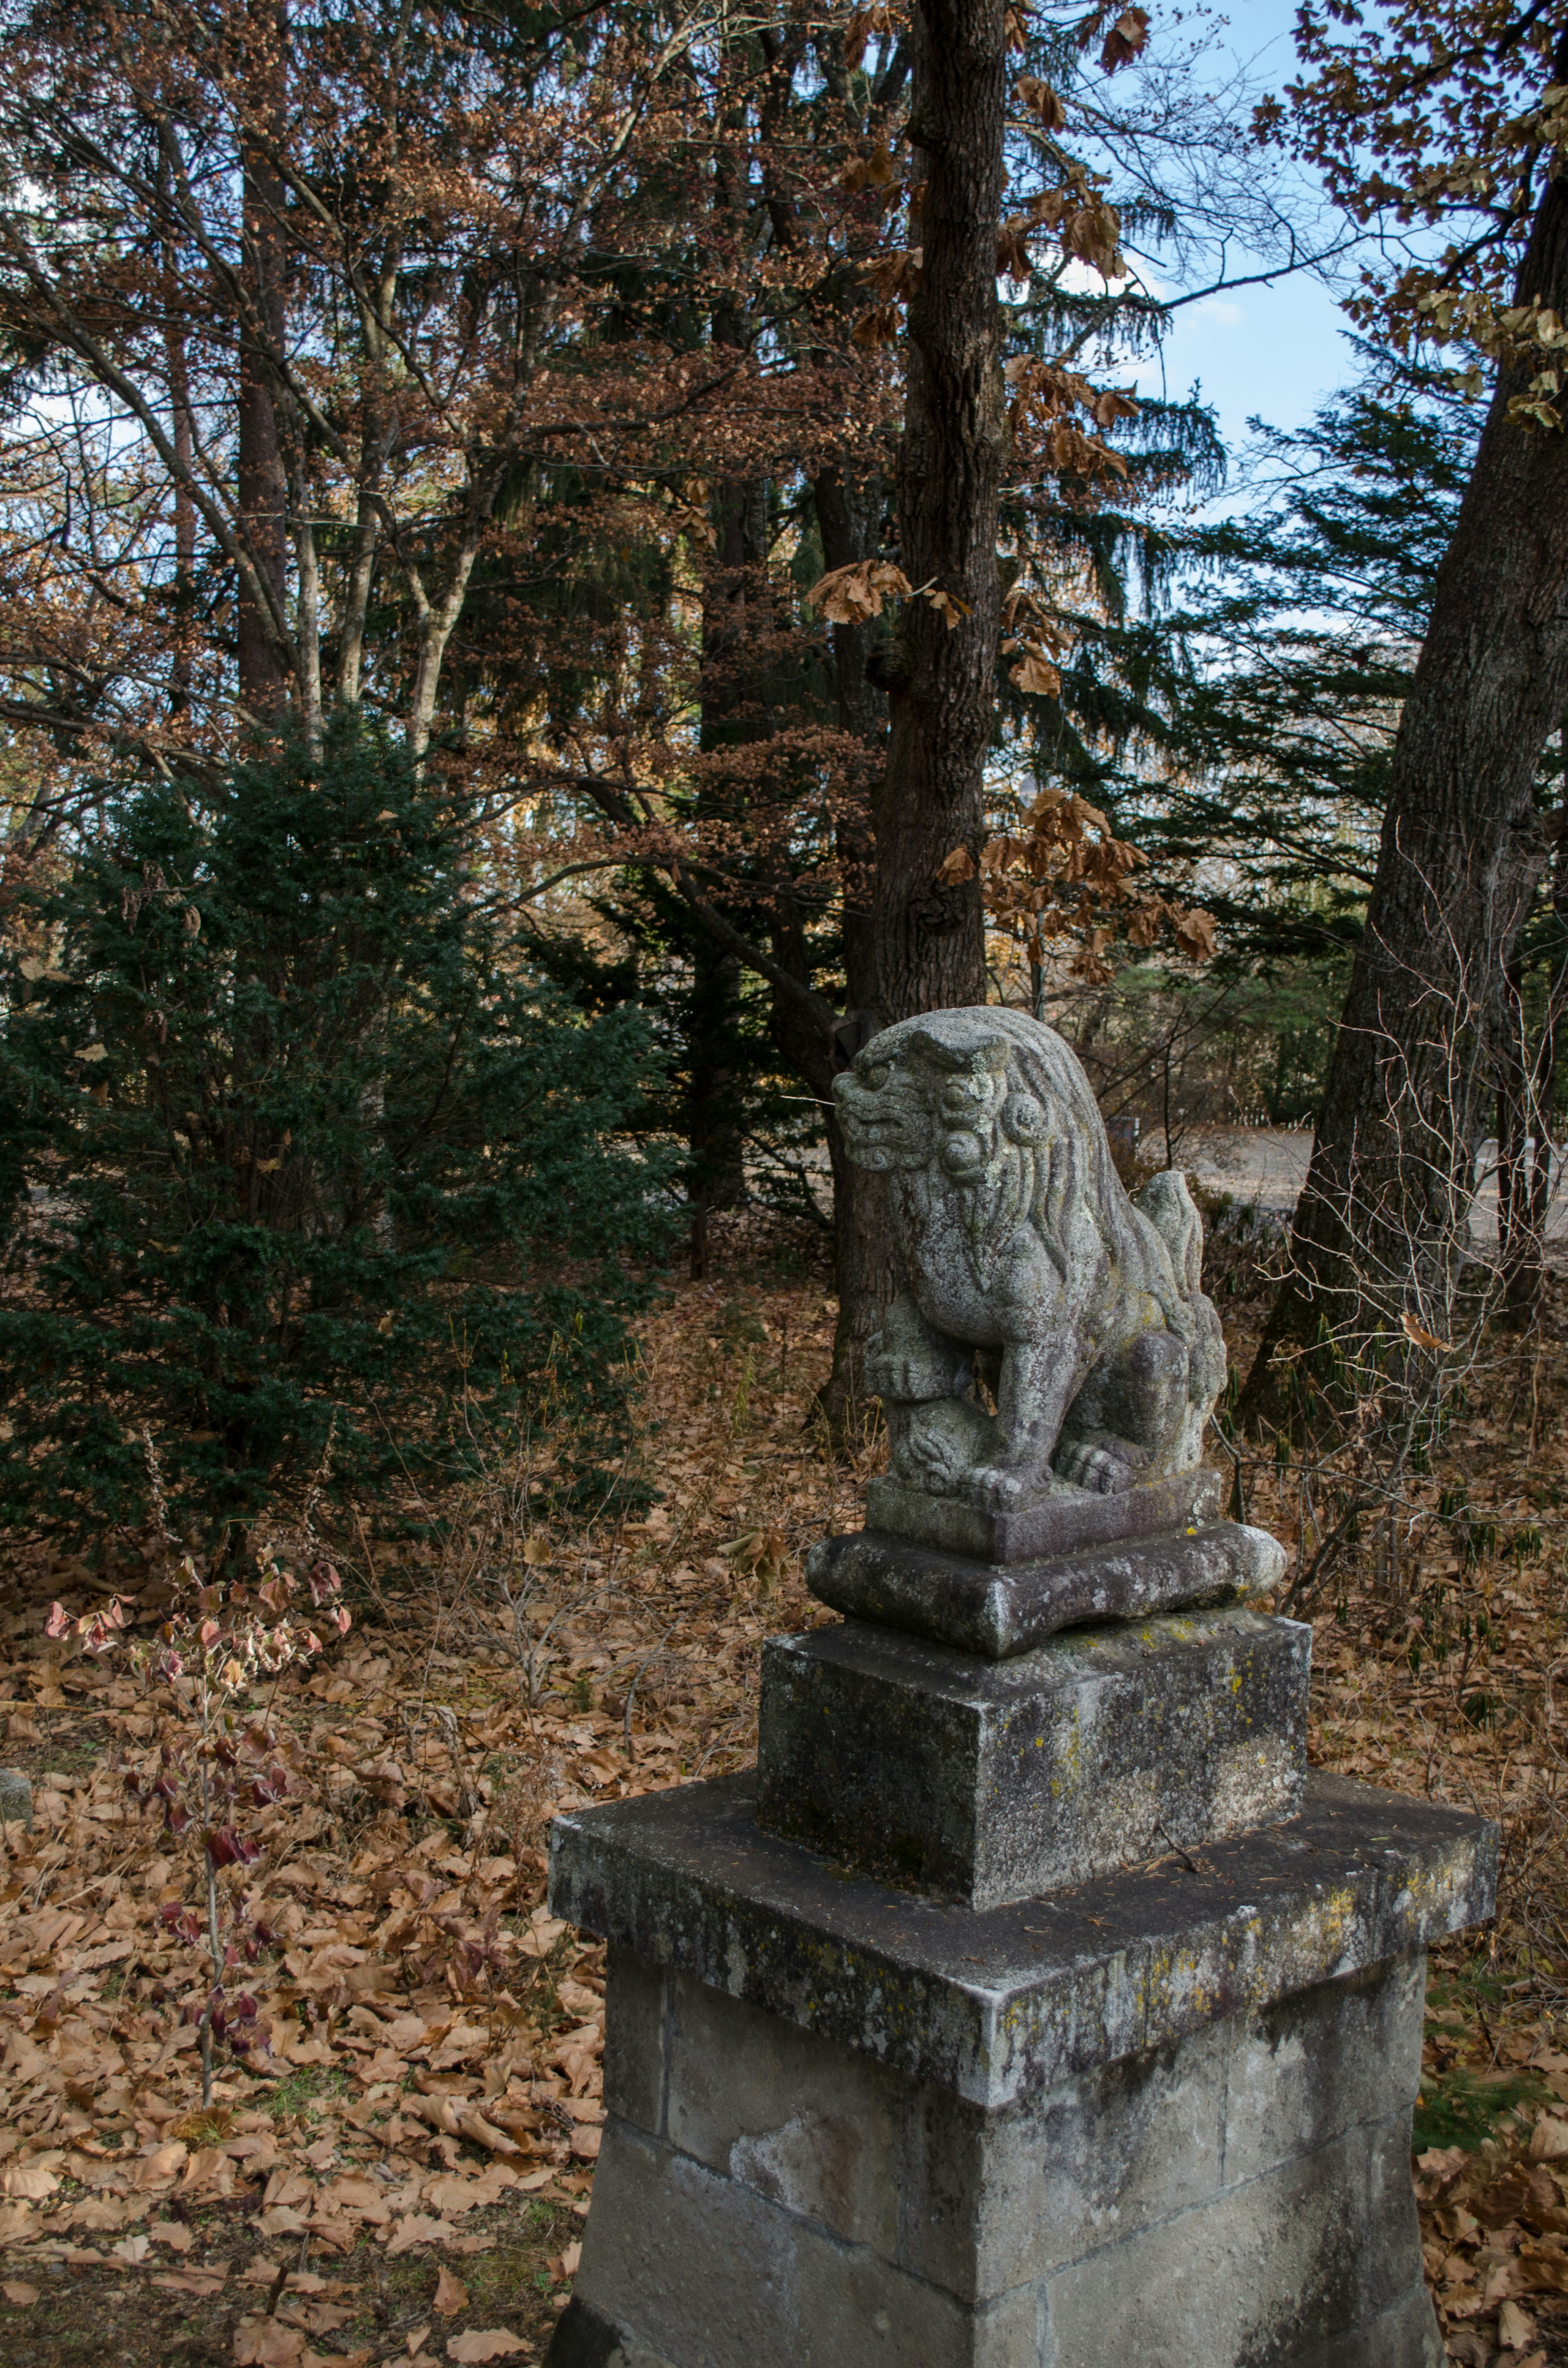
436, 2036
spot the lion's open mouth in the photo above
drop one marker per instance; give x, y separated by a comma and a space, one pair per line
879, 1120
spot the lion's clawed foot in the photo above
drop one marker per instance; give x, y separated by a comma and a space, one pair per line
1105, 1469
907, 1378
996, 1491
935, 1445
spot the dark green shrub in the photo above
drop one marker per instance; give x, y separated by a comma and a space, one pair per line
324, 1160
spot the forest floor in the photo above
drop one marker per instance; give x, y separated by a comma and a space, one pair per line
405, 2177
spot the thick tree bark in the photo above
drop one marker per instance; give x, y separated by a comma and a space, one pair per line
263, 484
182, 656
928, 933
1460, 857
736, 626
1527, 1099
848, 516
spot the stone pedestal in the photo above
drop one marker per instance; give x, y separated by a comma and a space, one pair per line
988, 1780
997, 1609
1031, 2005
1067, 1521
1160, 2120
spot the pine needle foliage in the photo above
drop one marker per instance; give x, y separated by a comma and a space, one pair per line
332, 1182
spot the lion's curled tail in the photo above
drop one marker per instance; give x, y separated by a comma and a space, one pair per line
1169, 1207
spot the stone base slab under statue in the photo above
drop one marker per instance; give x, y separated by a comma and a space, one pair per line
1162, 2121
1031, 2005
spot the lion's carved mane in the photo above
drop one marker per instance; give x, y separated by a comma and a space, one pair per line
1019, 1242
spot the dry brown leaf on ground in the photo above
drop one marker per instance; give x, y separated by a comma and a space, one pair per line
451, 2294
265, 2343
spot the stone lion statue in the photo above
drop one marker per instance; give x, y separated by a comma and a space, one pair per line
1081, 1309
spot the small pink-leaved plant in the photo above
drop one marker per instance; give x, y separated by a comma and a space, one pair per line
216, 1761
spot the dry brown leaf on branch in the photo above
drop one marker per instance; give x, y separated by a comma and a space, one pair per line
1125, 38
1422, 1337
895, 276
854, 595
876, 171
863, 23
949, 607
956, 868
1042, 102
1012, 258
880, 326
1195, 934
1035, 673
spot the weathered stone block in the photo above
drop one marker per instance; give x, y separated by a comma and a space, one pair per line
998, 2003
988, 1782
1161, 2119
1403, 2336
992, 2199
808, 2127
704, 2271
1069, 1521
1281, 2265
996, 2200
1101, 2221
1315, 2064
634, 2039
995, 1611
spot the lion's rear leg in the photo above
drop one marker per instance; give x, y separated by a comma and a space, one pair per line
1127, 1422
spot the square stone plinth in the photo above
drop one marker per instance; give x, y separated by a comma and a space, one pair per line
996, 1612
1068, 1521
1160, 2120
990, 1781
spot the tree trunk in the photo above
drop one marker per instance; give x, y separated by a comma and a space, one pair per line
182, 651
736, 627
1527, 1099
865, 1272
262, 479
1388, 1190
182, 654
928, 933
715, 1142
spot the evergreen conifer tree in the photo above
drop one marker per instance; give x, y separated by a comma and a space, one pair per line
334, 1181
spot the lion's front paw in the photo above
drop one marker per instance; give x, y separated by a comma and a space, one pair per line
1100, 1469
908, 1379
994, 1491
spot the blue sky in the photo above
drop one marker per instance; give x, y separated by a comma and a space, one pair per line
1273, 352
